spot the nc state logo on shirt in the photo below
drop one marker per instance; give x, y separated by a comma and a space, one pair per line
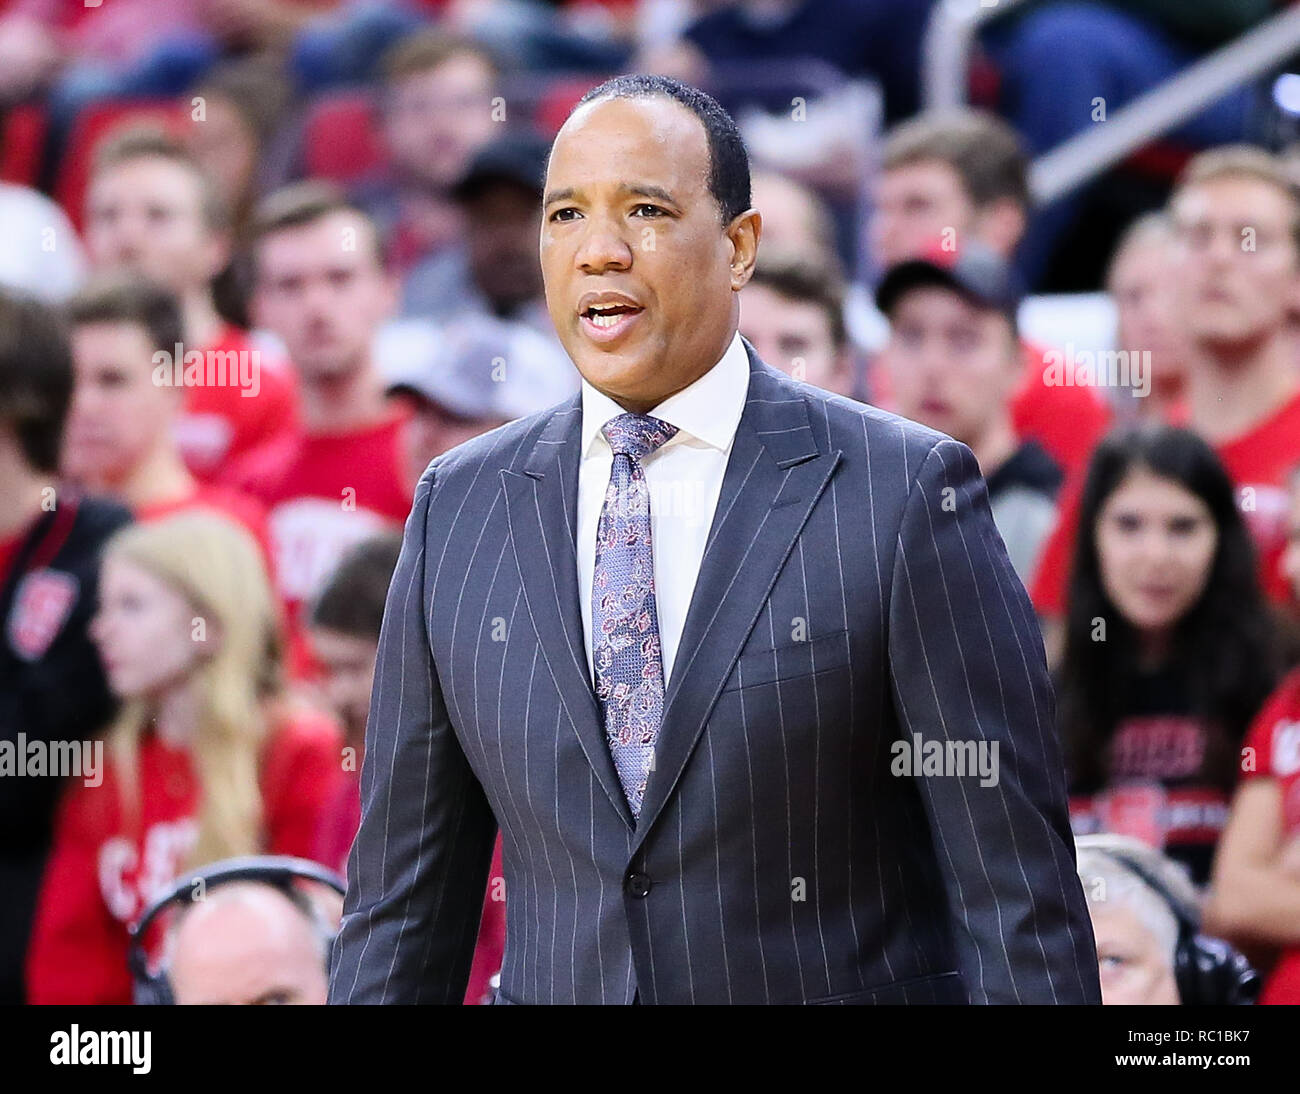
42, 604
1136, 809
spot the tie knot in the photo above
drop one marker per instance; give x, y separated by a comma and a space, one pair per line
636, 435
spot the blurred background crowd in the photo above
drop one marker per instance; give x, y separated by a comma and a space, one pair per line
262, 260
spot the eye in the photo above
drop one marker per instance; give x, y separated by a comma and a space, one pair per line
654, 209
1128, 522
1183, 526
559, 216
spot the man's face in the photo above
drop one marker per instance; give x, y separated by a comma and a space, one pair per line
257, 952
435, 121
321, 289
1142, 284
628, 211
915, 204
146, 217
1133, 968
955, 366
502, 222
1236, 260
793, 335
118, 415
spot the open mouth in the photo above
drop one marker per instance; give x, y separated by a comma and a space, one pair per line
605, 322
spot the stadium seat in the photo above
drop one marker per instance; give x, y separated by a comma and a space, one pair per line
22, 144
340, 138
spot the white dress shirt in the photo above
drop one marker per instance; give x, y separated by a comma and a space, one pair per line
684, 477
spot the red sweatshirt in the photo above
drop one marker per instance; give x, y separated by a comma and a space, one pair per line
1272, 751
100, 876
222, 424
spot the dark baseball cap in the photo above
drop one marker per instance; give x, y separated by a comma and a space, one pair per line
517, 156
973, 270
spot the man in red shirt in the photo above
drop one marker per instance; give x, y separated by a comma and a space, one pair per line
320, 285
120, 437
947, 180
1237, 247
152, 211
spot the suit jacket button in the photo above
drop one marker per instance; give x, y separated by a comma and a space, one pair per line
638, 885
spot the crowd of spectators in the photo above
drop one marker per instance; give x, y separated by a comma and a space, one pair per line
262, 260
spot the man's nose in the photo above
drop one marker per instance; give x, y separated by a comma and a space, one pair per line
603, 246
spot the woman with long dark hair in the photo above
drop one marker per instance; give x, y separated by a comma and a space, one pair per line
1169, 646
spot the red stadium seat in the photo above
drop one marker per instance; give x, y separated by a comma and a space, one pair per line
341, 140
92, 126
22, 144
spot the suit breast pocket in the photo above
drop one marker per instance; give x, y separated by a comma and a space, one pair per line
790, 661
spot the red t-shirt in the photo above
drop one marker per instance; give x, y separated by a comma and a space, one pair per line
100, 876
1258, 462
325, 493
339, 824
221, 423
1067, 421
1272, 751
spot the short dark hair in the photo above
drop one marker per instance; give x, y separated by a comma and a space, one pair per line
728, 161
302, 203
352, 601
797, 278
985, 151
127, 299
36, 377
152, 142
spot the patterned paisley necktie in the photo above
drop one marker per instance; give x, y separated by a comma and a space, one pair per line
624, 622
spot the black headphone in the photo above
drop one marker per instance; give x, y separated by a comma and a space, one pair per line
278, 871
1208, 971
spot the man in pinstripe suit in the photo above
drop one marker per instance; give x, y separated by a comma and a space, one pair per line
667, 635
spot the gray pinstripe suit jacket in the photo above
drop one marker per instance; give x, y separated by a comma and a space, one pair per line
776, 858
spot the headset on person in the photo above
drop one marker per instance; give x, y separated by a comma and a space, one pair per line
1208, 971
278, 871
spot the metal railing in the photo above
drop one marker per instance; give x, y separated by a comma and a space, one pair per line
950, 39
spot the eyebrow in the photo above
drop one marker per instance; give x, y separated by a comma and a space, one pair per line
636, 189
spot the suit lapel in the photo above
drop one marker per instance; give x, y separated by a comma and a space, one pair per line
774, 476
542, 509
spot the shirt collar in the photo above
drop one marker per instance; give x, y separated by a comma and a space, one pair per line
707, 410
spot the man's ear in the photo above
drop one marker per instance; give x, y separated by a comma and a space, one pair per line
1001, 225
744, 233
